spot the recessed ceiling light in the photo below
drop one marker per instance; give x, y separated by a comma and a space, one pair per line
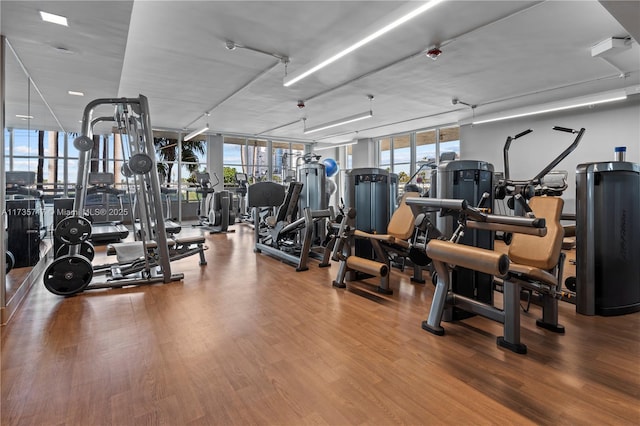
24, 117
54, 19
71, 92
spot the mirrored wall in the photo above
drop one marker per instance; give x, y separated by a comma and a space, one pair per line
31, 177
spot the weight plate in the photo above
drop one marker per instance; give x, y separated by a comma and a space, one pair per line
140, 163
86, 250
68, 275
73, 230
570, 283
83, 143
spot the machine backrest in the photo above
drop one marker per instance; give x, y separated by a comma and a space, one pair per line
401, 223
265, 194
540, 252
288, 207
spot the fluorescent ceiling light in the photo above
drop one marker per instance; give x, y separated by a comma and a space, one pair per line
295, 77
71, 92
24, 117
350, 119
196, 133
337, 145
54, 19
559, 106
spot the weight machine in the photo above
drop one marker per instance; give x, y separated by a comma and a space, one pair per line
73, 273
283, 235
533, 262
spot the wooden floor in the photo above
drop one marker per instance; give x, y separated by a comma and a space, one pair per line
247, 340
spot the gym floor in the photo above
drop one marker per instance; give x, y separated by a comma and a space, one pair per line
247, 340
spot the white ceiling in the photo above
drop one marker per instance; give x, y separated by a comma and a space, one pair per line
497, 55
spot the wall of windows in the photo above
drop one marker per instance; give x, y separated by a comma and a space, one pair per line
418, 151
252, 156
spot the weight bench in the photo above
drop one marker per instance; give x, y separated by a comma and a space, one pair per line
534, 263
178, 248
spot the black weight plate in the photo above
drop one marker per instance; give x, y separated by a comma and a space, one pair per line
570, 283
68, 275
73, 230
86, 250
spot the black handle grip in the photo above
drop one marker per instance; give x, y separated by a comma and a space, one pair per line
564, 129
526, 132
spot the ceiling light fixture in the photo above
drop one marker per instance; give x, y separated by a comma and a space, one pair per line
340, 122
559, 106
337, 145
295, 77
196, 133
72, 93
54, 19
24, 117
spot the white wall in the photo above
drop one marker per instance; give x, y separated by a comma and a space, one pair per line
364, 153
607, 126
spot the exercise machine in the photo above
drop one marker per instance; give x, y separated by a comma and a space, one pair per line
471, 181
73, 273
396, 245
607, 238
547, 182
533, 261
284, 235
367, 190
242, 187
215, 210
99, 207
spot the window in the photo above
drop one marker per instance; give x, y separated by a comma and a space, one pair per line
450, 141
395, 153
233, 150
402, 157
426, 146
384, 161
282, 162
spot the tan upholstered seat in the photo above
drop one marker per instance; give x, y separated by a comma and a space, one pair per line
540, 252
400, 226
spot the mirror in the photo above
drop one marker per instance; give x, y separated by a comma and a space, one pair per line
33, 176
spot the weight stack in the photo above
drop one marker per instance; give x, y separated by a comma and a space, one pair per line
367, 191
468, 180
24, 228
607, 238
